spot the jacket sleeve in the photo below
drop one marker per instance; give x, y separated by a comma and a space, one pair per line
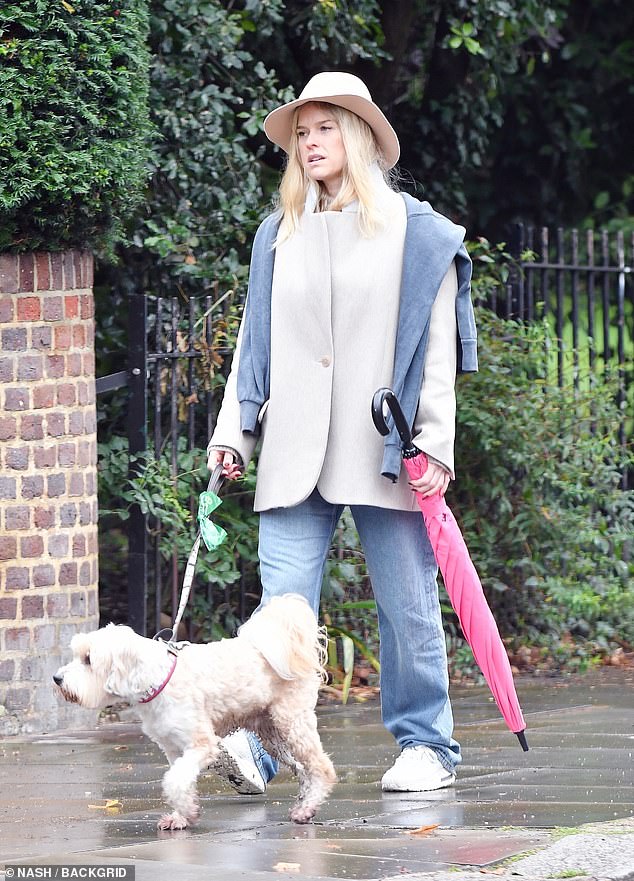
227, 434
435, 423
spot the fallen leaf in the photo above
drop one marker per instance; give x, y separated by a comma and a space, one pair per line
493, 871
332, 846
112, 804
286, 867
422, 830
120, 747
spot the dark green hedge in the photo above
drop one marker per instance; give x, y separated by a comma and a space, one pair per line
73, 121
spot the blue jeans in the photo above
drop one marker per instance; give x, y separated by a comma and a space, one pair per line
267, 766
294, 545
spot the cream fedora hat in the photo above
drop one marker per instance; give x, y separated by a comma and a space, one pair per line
344, 90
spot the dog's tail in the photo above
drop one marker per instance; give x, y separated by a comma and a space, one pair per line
286, 632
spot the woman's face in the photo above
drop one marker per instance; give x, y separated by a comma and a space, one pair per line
320, 146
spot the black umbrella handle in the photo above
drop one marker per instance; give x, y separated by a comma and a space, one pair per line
385, 396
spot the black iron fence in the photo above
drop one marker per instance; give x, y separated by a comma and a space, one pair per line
171, 407
581, 283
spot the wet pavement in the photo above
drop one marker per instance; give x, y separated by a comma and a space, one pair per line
579, 770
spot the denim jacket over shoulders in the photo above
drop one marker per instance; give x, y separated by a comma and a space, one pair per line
432, 242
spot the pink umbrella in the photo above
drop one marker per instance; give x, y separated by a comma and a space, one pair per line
459, 574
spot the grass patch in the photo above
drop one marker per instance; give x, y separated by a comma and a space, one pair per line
569, 873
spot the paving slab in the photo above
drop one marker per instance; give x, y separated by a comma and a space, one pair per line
324, 857
54, 790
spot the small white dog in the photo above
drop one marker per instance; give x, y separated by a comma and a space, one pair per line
265, 680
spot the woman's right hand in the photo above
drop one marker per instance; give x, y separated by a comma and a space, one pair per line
231, 469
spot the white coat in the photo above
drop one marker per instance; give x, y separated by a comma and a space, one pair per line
334, 315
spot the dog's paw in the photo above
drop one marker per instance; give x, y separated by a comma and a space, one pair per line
302, 813
172, 822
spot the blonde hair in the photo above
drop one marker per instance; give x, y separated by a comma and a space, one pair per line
362, 151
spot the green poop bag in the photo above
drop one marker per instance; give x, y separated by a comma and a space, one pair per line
212, 535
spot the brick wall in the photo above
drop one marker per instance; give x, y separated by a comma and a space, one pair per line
48, 481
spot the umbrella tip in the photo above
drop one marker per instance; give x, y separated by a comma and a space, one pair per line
522, 739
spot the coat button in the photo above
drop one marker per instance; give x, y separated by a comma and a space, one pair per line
325, 362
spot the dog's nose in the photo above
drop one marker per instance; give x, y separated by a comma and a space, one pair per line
57, 679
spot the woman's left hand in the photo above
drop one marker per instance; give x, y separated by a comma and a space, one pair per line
434, 480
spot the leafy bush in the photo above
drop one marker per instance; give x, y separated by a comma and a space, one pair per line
208, 97
538, 494
73, 121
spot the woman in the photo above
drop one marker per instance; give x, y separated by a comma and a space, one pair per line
352, 287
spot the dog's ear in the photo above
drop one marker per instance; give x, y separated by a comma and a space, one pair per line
117, 682
80, 644
110, 659
131, 671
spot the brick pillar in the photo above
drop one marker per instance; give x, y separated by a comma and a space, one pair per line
48, 481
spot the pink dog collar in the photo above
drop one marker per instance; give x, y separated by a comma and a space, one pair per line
154, 692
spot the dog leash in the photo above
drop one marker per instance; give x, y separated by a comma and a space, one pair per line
213, 536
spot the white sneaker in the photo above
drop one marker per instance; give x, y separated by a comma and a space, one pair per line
238, 764
417, 769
